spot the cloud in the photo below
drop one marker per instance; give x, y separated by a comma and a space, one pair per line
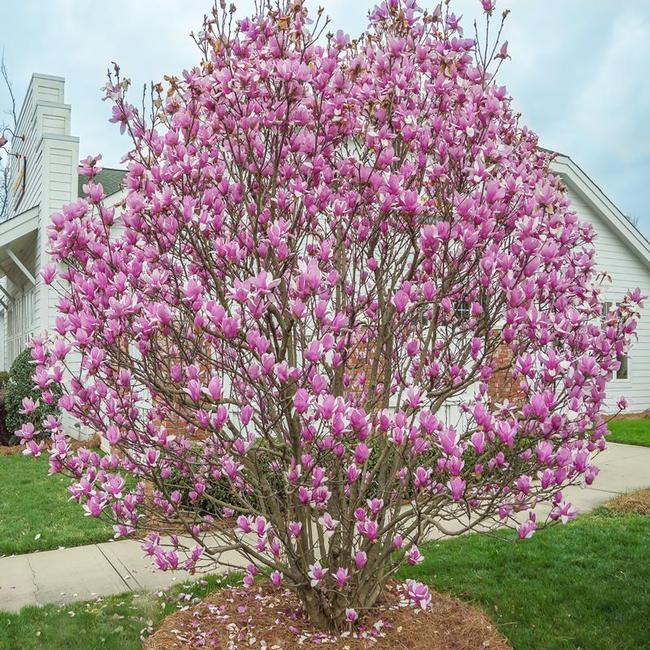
604, 125
613, 102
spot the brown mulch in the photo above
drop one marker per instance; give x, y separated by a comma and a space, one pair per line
270, 619
92, 443
635, 502
11, 450
632, 416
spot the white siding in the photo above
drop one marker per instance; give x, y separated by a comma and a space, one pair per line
51, 155
61, 153
43, 112
3, 364
20, 322
628, 271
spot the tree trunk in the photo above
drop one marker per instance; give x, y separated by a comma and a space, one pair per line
316, 610
330, 615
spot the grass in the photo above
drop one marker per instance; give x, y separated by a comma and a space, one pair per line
112, 623
630, 432
585, 585
35, 513
581, 586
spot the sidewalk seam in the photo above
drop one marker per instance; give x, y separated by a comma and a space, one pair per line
595, 489
33, 574
115, 569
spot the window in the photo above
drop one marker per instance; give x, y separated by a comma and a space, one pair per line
623, 369
20, 323
462, 310
607, 307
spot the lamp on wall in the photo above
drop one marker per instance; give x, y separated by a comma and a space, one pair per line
4, 140
20, 176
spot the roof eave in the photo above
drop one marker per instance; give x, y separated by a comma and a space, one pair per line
580, 182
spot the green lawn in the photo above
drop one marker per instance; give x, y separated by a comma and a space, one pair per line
630, 432
114, 623
35, 514
585, 585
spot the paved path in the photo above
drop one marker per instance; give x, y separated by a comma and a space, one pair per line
85, 572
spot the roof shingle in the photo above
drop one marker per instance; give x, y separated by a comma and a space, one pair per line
110, 179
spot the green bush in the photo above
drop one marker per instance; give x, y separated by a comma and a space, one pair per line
224, 490
19, 386
5, 436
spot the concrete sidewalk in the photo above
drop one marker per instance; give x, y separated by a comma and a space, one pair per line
86, 572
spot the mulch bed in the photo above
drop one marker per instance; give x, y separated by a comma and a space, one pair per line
632, 416
635, 502
270, 619
92, 443
11, 450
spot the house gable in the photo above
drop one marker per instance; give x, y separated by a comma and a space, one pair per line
624, 254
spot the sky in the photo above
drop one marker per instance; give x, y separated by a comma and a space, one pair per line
578, 74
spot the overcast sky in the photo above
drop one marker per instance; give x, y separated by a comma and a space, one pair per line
579, 70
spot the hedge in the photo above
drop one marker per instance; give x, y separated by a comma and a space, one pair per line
20, 385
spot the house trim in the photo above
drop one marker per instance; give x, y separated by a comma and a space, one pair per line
576, 178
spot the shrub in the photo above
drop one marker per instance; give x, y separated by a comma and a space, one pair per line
20, 386
5, 436
287, 273
221, 493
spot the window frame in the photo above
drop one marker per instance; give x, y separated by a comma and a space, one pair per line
627, 369
607, 306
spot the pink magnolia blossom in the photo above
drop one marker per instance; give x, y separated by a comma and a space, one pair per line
527, 529
328, 523
341, 576
413, 556
294, 528
316, 574
457, 488
564, 512
360, 559
351, 615
26, 432
48, 273
418, 593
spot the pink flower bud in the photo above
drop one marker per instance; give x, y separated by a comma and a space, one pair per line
360, 559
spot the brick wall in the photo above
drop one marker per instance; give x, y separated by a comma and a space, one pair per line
501, 385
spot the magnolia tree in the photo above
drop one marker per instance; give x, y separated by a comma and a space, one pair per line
323, 242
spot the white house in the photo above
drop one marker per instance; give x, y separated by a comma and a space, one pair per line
45, 177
